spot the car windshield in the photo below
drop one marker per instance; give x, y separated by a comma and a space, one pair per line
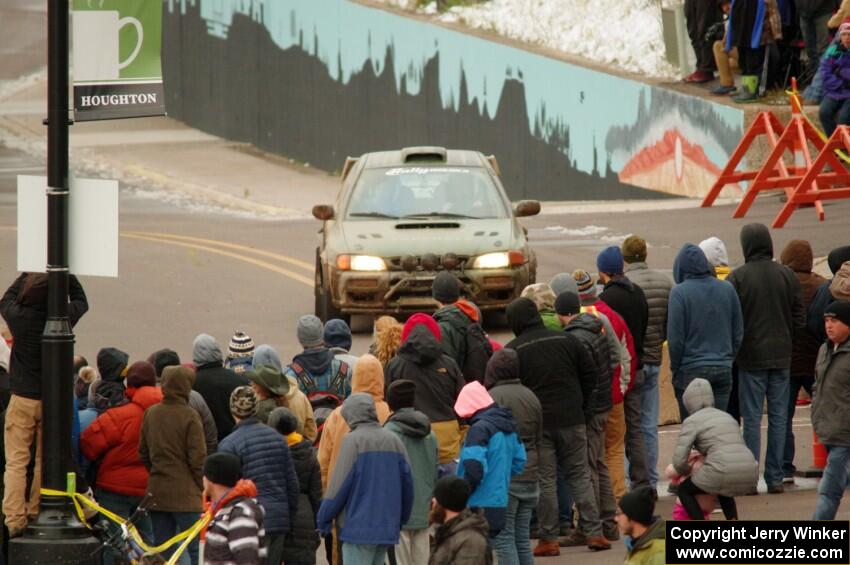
425, 192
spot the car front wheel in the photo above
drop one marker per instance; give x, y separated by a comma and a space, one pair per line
324, 306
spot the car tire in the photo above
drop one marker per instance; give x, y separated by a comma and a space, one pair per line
324, 306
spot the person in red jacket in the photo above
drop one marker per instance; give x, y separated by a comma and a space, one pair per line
112, 441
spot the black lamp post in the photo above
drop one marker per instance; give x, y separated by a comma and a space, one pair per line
56, 536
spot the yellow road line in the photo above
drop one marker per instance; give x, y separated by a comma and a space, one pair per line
256, 262
292, 261
189, 242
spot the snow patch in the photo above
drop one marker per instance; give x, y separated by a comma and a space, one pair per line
625, 35
577, 232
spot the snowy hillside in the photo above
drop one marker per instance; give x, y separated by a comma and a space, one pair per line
621, 34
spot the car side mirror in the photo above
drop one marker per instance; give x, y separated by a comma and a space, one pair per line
527, 208
325, 212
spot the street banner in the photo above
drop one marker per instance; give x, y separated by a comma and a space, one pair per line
92, 226
116, 55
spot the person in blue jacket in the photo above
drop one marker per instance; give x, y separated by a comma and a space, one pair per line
370, 493
492, 453
705, 327
835, 70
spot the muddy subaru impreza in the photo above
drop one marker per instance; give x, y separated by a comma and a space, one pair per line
403, 216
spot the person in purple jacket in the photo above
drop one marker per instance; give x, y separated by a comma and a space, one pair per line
835, 69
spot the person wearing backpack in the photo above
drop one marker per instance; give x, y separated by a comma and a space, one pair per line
463, 339
316, 369
368, 378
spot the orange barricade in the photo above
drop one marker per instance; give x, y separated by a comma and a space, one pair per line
765, 124
774, 175
817, 184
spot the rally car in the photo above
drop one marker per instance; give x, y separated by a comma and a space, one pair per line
402, 216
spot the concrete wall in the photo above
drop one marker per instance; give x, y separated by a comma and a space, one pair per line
318, 80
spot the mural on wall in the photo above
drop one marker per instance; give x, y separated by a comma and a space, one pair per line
320, 80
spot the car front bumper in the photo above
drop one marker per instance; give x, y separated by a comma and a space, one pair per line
400, 292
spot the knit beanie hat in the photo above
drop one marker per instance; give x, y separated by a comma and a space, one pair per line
338, 334
421, 319
634, 249
243, 402
141, 373
715, 251
567, 304
586, 287
639, 504
840, 310
223, 469
111, 363
162, 359
562, 282
541, 295
446, 288
401, 394
610, 260
241, 345
83, 381
283, 420
452, 493
838, 257
843, 28
472, 398
309, 331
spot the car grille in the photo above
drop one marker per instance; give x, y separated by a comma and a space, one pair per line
396, 263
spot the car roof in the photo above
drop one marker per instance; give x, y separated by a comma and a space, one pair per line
408, 157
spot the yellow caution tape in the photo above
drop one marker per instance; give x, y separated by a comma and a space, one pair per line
185, 536
795, 99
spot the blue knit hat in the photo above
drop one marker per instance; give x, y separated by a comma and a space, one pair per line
610, 261
337, 334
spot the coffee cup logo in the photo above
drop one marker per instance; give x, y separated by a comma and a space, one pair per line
97, 44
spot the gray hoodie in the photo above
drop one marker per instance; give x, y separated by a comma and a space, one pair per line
730, 468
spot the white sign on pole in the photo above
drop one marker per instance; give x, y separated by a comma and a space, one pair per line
92, 226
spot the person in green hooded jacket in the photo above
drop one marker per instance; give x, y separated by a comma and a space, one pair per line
544, 298
643, 531
413, 428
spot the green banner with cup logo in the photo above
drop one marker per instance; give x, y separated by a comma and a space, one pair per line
117, 67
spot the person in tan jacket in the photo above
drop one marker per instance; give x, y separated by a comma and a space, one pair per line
296, 400
369, 378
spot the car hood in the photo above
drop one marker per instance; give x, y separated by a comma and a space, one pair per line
384, 238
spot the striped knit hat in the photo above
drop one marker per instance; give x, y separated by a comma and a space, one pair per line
586, 287
241, 345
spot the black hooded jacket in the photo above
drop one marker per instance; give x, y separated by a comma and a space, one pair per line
438, 378
26, 322
507, 390
590, 331
771, 303
302, 540
554, 365
628, 300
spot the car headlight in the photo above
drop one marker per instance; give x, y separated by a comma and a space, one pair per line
360, 263
498, 260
